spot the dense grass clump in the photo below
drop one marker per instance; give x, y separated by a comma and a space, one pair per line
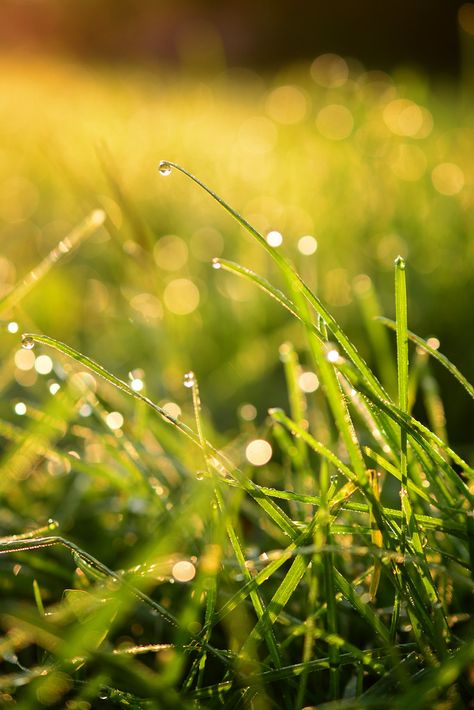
319, 558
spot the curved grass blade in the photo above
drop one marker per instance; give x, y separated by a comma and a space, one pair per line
293, 278
434, 353
275, 512
101, 571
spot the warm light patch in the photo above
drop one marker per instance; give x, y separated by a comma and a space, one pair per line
335, 122
24, 359
447, 178
257, 135
433, 343
172, 409
406, 118
307, 245
247, 412
308, 381
408, 162
43, 364
287, 105
114, 420
274, 238
20, 408
330, 71
258, 452
170, 253
183, 571
181, 296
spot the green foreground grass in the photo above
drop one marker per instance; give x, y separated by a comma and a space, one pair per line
318, 555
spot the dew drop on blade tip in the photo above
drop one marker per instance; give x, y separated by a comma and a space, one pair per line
27, 342
216, 264
164, 168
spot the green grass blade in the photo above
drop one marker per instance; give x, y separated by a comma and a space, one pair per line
292, 277
402, 373
424, 344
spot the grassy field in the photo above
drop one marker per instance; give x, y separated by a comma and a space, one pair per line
252, 492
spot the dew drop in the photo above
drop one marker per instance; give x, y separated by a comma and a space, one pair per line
27, 342
164, 168
400, 262
216, 264
200, 475
189, 379
53, 524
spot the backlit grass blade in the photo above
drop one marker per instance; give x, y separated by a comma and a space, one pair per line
370, 309
259, 281
277, 515
63, 248
319, 448
292, 277
231, 532
402, 373
425, 344
300, 312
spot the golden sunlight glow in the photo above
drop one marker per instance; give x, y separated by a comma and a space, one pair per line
287, 105
183, 571
405, 118
447, 178
43, 364
24, 359
181, 296
258, 452
114, 420
170, 253
307, 245
335, 122
308, 381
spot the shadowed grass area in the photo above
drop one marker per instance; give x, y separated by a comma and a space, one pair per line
159, 549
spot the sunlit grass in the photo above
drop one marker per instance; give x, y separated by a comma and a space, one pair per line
188, 521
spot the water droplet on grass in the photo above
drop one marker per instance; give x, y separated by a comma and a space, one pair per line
216, 264
164, 168
53, 524
189, 379
27, 342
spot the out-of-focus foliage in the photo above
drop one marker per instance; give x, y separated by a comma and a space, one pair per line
370, 165
363, 584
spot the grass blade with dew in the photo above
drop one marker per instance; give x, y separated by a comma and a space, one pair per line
274, 511
293, 278
402, 373
231, 532
433, 351
95, 220
100, 571
298, 312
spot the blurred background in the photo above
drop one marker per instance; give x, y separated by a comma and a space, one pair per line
345, 128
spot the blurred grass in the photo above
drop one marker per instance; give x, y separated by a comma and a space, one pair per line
372, 166
77, 138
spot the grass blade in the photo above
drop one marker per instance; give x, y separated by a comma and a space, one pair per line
425, 345
68, 244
